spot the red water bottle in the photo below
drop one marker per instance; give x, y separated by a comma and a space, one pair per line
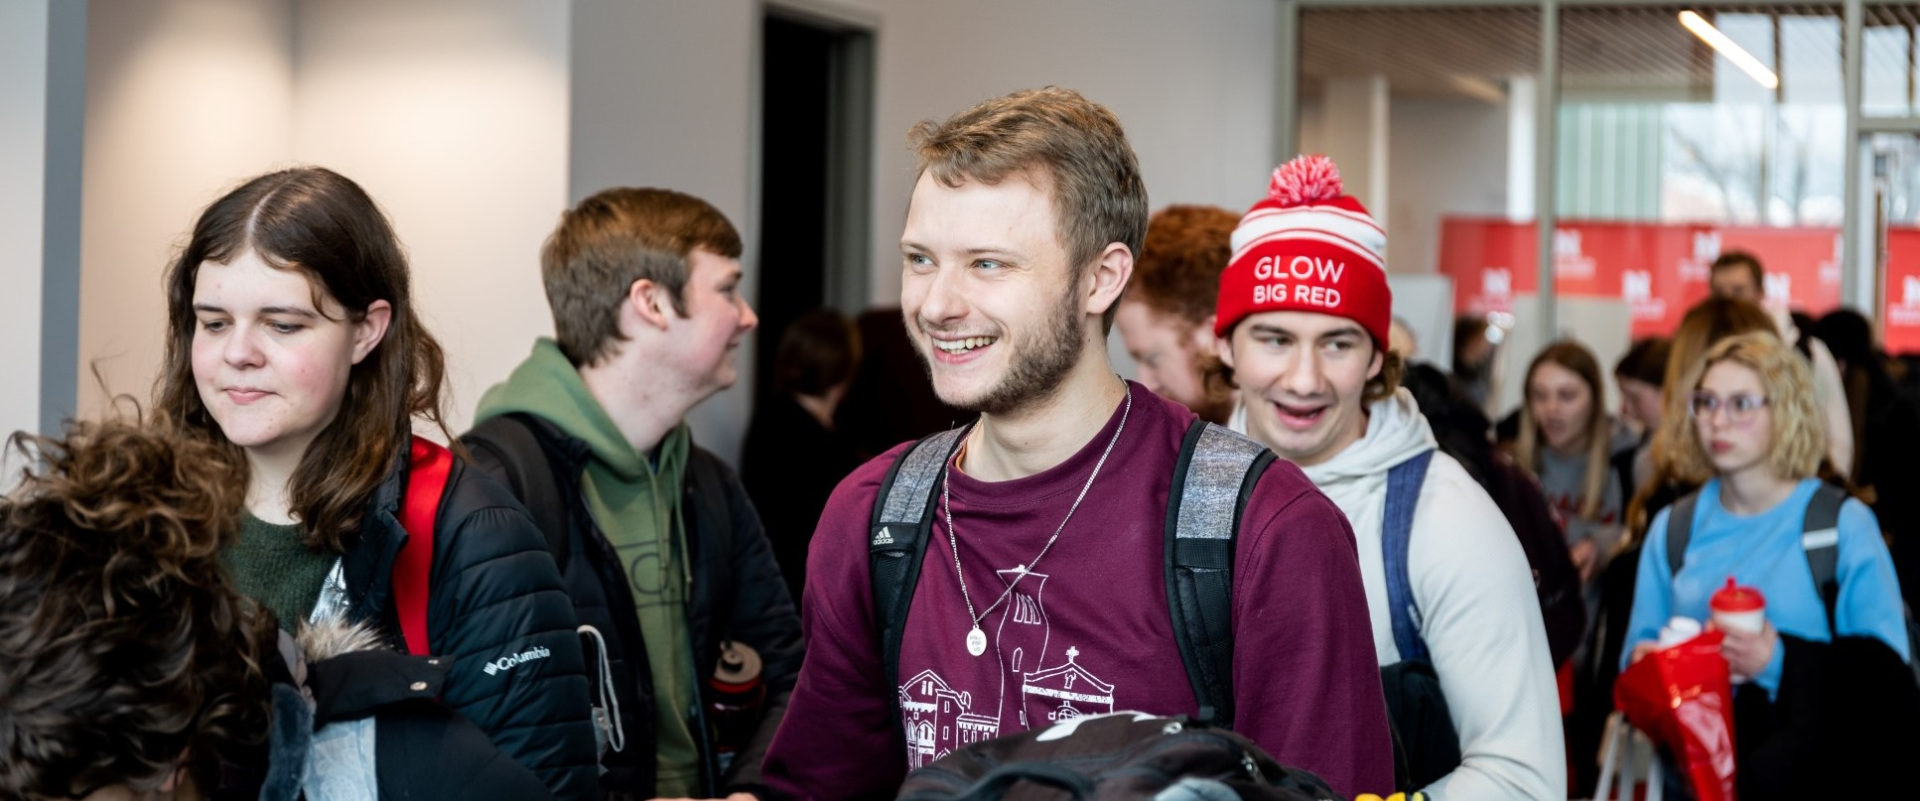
735, 696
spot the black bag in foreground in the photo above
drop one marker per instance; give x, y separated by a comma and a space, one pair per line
1124, 755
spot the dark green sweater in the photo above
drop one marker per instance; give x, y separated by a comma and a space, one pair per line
273, 565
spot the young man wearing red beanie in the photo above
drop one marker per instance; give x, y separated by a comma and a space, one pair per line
1303, 323
1037, 592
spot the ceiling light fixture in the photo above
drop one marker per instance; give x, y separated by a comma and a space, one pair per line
1700, 27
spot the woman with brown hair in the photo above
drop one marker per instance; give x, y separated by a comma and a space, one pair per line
1567, 441
294, 346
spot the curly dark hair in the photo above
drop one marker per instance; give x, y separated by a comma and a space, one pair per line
128, 654
1178, 272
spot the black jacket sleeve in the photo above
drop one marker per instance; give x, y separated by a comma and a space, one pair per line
498, 608
1840, 725
763, 617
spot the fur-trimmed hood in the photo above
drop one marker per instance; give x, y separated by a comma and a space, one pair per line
337, 637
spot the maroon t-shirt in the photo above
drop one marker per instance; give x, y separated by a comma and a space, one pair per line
1088, 631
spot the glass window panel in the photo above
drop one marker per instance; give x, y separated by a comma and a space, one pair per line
1888, 58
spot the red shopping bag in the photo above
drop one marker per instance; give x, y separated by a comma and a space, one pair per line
1682, 698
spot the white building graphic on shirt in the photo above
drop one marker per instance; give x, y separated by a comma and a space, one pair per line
1063, 693
939, 719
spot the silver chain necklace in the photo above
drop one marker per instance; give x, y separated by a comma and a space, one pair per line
977, 639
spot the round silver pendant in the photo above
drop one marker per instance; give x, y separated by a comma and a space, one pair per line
976, 641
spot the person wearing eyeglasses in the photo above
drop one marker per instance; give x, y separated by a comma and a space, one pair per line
1756, 440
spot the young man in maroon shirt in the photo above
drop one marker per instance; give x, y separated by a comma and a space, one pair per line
1041, 595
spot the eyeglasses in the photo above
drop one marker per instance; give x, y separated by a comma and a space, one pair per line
1740, 408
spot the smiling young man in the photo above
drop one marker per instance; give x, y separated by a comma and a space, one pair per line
1303, 322
1041, 587
657, 543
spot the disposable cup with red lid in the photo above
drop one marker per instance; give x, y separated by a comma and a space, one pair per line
1737, 608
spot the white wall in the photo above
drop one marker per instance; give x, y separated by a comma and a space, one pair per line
1192, 83
184, 99
453, 115
23, 152
1449, 157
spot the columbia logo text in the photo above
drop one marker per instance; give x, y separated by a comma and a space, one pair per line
510, 662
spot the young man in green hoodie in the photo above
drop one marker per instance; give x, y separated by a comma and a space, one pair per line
658, 545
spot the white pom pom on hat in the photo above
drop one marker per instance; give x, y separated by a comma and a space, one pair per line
1304, 180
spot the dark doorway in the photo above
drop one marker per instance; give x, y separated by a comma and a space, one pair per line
815, 150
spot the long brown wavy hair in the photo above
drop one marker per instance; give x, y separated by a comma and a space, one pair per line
126, 646
1599, 429
324, 226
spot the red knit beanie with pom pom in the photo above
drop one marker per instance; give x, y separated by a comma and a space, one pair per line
1307, 247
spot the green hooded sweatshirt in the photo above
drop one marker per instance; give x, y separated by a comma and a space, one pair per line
635, 500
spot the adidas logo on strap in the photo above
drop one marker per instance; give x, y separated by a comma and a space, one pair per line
885, 537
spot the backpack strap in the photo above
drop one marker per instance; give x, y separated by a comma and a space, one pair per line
413, 567
1820, 538
1404, 481
1212, 481
1680, 531
897, 535
532, 475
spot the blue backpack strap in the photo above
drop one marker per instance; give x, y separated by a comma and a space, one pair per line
1396, 534
1820, 538
1680, 531
1212, 481
897, 534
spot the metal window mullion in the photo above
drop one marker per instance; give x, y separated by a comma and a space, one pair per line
1545, 119
1856, 284
1286, 133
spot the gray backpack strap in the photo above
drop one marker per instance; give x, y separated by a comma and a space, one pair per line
1680, 531
1820, 538
897, 535
1212, 481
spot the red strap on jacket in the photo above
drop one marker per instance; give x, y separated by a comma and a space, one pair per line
426, 482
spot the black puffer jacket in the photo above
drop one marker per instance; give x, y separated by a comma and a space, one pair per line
494, 593
737, 591
352, 719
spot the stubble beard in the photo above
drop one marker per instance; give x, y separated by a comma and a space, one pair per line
1035, 373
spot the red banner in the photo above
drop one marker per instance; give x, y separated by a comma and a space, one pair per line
1902, 318
1661, 270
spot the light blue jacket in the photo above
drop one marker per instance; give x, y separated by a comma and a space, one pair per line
1764, 551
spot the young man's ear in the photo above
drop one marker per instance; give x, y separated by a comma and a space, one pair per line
1108, 278
1379, 362
649, 303
1223, 347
